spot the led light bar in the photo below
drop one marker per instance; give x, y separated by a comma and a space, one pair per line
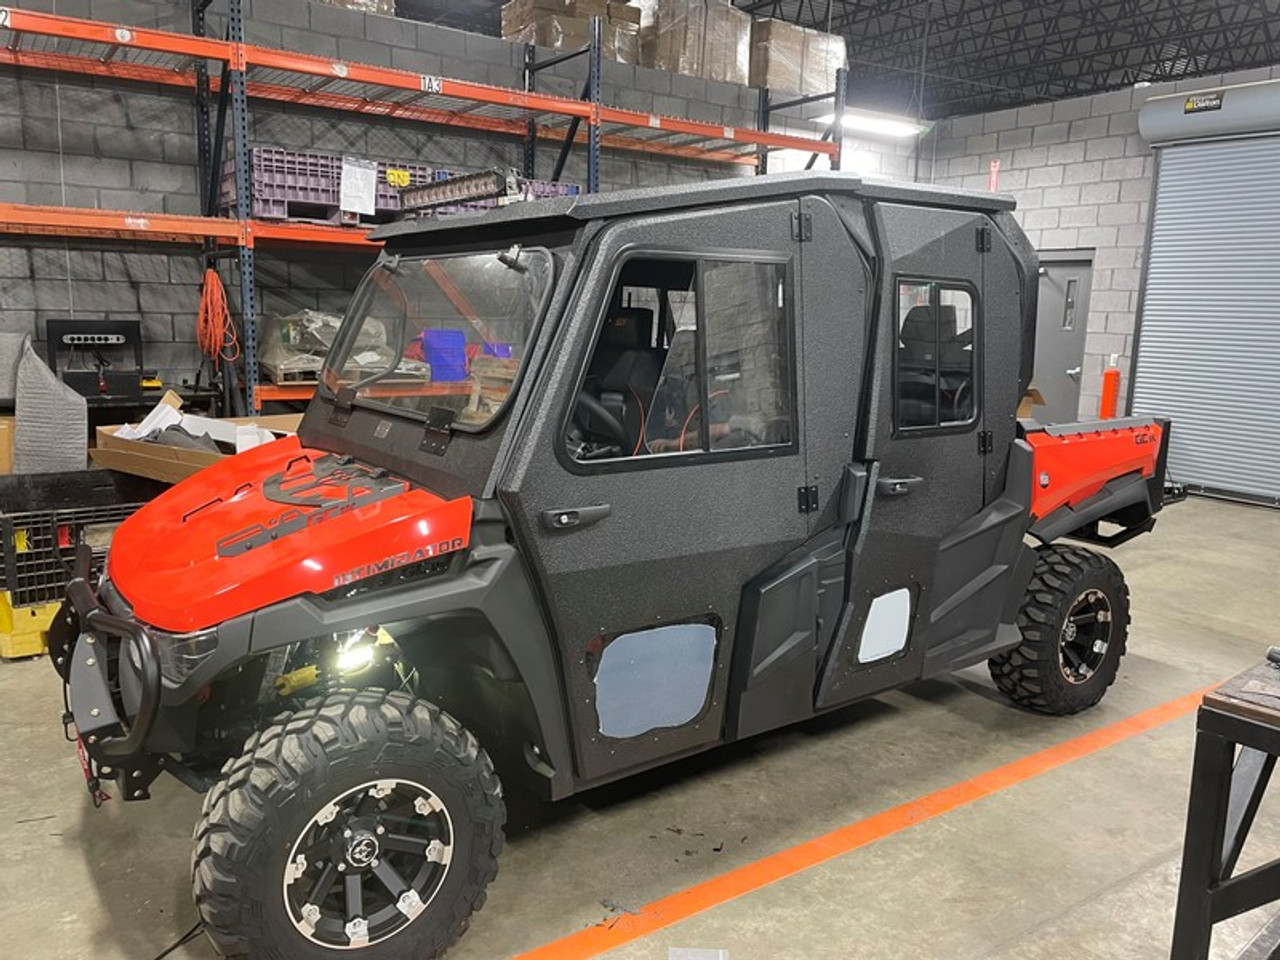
488, 185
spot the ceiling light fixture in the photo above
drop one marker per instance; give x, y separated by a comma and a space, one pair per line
880, 124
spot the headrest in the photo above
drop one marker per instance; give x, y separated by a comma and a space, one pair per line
628, 328
918, 324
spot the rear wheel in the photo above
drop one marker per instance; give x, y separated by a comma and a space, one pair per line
1074, 623
366, 821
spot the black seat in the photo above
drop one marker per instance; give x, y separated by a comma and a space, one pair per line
625, 368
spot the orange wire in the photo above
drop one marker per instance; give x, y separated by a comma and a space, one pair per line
643, 420
215, 333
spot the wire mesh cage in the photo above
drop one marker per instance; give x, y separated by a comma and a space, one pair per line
39, 548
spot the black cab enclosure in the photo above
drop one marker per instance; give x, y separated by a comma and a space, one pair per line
754, 464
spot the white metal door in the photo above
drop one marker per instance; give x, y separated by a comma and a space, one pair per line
1208, 351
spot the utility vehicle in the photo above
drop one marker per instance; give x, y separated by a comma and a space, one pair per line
590, 484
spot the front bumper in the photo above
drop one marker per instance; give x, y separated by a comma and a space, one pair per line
90, 647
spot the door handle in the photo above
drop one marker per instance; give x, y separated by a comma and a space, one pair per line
896, 486
1074, 373
572, 518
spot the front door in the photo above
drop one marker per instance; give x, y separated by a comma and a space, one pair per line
658, 471
1061, 320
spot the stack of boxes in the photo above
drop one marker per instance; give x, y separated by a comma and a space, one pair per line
566, 25
794, 59
698, 38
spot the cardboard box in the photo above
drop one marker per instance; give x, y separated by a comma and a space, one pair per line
621, 40
1032, 398
794, 59
518, 14
586, 9
726, 45
777, 55
170, 464
6, 445
679, 31
385, 8
624, 13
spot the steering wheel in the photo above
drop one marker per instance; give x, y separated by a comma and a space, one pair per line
587, 404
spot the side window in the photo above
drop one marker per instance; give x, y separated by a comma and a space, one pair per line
935, 365
748, 357
692, 356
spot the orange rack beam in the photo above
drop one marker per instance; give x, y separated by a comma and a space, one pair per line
48, 42
21, 218
258, 232
32, 220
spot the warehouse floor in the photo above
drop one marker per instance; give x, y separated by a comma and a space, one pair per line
1074, 862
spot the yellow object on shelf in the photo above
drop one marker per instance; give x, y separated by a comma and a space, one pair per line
23, 629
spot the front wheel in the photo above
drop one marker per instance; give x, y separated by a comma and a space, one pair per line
366, 821
1074, 623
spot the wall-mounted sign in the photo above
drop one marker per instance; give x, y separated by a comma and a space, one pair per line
1202, 102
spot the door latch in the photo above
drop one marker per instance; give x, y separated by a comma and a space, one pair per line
573, 518
1073, 373
896, 486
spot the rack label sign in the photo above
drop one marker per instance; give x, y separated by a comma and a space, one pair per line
4, 17
432, 84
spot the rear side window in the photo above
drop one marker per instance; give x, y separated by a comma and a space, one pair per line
694, 356
935, 372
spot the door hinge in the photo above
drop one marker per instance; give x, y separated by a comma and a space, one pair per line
984, 239
802, 227
438, 431
342, 402
807, 499
986, 442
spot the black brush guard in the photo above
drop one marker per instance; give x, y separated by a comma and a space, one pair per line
83, 641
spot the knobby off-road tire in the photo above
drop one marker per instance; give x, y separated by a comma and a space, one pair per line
341, 781
1074, 622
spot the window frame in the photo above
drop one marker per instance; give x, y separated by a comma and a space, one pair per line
360, 298
937, 285
654, 461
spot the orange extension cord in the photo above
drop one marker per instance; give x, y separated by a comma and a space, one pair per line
215, 332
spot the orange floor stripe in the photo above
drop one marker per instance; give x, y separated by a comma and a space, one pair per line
595, 940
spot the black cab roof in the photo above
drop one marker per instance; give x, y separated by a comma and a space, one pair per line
538, 215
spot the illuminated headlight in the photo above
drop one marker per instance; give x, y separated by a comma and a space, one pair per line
181, 653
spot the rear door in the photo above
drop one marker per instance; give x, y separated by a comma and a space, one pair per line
642, 554
923, 449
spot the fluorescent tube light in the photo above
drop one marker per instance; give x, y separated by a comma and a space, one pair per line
880, 124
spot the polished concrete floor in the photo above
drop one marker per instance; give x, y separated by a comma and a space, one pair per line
1079, 863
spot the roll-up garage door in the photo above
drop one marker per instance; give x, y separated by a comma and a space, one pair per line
1208, 351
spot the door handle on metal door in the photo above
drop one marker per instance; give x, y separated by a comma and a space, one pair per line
573, 518
896, 486
1074, 373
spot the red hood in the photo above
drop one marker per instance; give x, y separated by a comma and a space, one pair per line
269, 524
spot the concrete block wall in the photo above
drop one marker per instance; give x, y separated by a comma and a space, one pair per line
68, 140
1082, 178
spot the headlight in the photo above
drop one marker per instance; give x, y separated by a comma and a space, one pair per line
181, 653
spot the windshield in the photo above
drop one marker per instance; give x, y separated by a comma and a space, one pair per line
442, 332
